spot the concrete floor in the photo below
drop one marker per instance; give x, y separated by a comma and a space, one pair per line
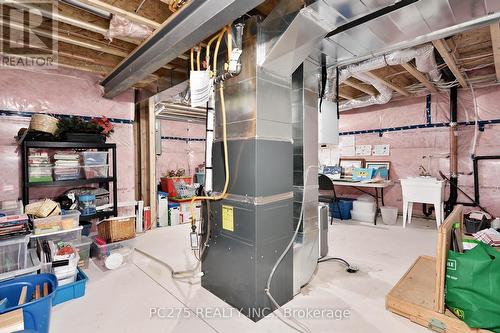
124, 300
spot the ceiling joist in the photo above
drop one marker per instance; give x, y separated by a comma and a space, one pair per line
77, 22
442, 48
389, 84
367, 89
121, 12
419, 76
495, 41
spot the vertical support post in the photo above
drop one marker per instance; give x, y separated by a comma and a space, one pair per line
25, 180
147, 156
452, 200
151, 140
115, 183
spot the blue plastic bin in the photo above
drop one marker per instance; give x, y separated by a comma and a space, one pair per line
36, 313
72, 290
345, 206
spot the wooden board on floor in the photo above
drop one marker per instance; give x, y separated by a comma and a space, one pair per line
443, 245
12, 321
413, 298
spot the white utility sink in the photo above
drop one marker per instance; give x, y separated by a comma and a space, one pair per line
426, 190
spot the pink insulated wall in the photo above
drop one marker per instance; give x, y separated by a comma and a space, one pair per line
429, 147
182, 145
60, 92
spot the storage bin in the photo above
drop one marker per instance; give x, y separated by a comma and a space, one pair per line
32, 266
86, 204
72, 290
345, 206
56, 236
389, 215
82, 246
68, 220
200, 178
94, 157
66, 173
96, 171
167, 184
64, 265
13, 254
113, 255
116, 228
475, 225
36, 313
87, 227
362, 216
101, 196
364, 206
13, 207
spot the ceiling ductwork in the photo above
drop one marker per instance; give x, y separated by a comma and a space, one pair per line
424, 60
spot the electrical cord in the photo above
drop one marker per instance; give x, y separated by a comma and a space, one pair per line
303, 328
349, 268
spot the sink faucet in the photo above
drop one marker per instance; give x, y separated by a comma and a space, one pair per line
423, 171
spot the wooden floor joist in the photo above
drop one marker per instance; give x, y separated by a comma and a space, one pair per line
389, 84
419, 76
121, 12
442, 48
495, 41
363, 88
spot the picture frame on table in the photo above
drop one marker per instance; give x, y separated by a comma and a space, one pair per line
349, 164
382, 168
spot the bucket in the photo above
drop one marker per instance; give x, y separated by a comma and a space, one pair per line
345, 207
36, 313
389, 215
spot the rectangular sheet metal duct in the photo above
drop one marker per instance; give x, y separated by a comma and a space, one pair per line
197, 21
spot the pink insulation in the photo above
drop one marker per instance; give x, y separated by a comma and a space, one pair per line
61, 92
122, 27
178, 153
430, 147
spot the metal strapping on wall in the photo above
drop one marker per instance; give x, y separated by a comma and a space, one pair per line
428, 114
27, 114
179, 138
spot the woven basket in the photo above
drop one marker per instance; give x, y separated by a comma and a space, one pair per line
44, 123
116, 229
43, 208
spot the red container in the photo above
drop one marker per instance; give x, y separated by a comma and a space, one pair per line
167, 184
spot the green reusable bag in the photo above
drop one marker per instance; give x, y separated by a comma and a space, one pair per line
472, 289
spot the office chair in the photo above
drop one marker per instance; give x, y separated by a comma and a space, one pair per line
326, 184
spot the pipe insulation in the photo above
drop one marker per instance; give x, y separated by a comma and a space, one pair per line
424, 60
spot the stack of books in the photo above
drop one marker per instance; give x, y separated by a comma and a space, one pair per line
39, 166
13, 225
66, 166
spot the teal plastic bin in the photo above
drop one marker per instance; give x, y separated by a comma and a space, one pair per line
72, 290
36, 313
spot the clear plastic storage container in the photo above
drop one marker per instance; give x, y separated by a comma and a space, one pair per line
13, 253
70, 220
362, 216
66, 173
363, 206
63, 235
95, 157
113, 255
82, 246
12, 207
96, 171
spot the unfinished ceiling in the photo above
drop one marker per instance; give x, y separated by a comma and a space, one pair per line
470, 57
83, 34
